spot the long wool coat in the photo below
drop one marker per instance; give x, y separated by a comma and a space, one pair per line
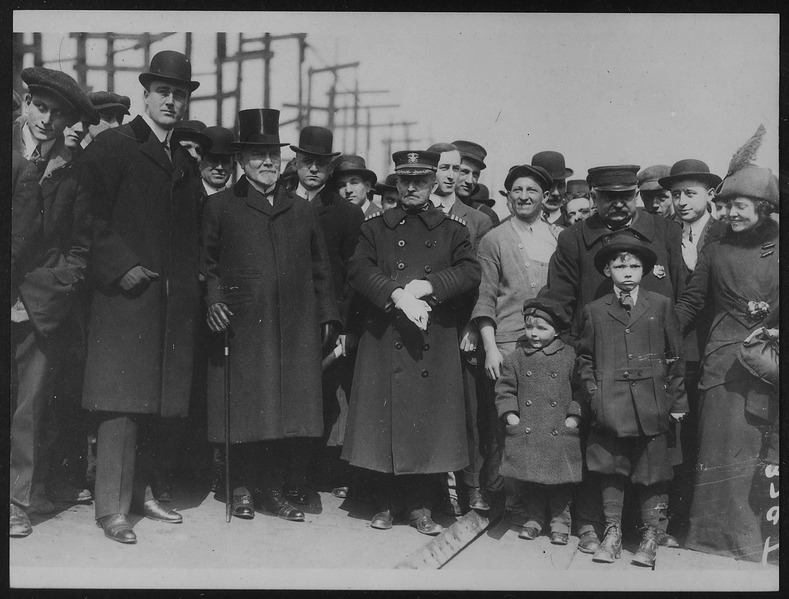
537, 384
407, 412
269, 264
140, 343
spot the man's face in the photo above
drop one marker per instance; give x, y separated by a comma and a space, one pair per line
615, 207
742, 214
74, 135
389, 200
261, 164
525, 199
467, 179
448, 173
47, 115
414, 190
166, 102
691, 199
625, 271
215, 169
554, 200
313, 171
194, 149
658, 202
353, 188
720, 210
577, 209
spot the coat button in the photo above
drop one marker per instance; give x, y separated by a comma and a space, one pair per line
428, 269
554, 432
401, 243
424, 374
526, 264
398, 345
630, 356
553, 404
554, 375
527, 430
607, 239
534, 284
626, 373
400, 266
402, 222
520, 246
639, 373
627, 331
426, 347
632, 383
428, 244
528, 373
528, 402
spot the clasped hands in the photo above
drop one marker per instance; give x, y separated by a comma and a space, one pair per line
409, 301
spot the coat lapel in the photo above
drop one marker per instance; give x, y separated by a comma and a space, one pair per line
616, 310
150, 145
641, 307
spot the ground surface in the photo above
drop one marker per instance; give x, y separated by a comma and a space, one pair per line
334, 548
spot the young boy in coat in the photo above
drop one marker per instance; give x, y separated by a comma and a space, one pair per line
631, 372
542, 449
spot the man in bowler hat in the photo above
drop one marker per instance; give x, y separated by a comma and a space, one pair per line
218, 163
553, 162
268, 280
146, 296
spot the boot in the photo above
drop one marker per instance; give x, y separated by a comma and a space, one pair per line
611, 547
647, 550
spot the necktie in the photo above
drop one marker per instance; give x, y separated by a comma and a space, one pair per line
36, 157
166, 147
626, 301
690, 234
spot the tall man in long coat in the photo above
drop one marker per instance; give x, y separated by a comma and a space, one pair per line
268, 278
407, 417
146, 297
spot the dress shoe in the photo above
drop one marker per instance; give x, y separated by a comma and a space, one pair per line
18, 522
117, 528
341, 492
39, 504
666, 540
559, 538
427, 526
300, 496
476, 501
243, 507
67, 493
588, 542
162, 488
382, 520
153, 510
529, 533
611, 547
275, 503
647, 550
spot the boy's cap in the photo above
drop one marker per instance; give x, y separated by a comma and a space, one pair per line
547, 308
629, 244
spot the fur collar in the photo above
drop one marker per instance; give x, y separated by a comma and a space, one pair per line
766, 230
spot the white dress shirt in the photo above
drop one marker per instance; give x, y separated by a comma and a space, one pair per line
691, 233
307, 195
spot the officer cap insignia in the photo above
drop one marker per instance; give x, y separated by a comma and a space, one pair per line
413, 157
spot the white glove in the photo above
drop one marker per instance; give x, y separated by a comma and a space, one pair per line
415, 309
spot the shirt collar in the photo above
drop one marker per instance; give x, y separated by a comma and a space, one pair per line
365, 205
31, 143
261, 189
210, 189
697, 226
553, 347
302, 192
633, 294
521, 226
160, 132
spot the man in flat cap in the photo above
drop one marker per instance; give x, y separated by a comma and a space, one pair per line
574, 280
553, 162
146, 295
472, 163
50, 242
112, 108
268, 280
656, 198
406, 420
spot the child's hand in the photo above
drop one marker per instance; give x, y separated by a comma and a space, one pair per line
572, 422
512, 418
677, 416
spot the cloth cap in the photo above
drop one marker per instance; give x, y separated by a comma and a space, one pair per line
577, 188
316, 141
624, 244
537, 173
169, 65
690, 169
471, 151
64, 87
553, 162
620, 177
647, 179
547, 308
222, 140
349, 163
751, 182
415, 162
105, 100
258, 127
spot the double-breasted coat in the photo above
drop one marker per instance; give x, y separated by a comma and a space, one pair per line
407, 412
269, 264
537, 384
140, 343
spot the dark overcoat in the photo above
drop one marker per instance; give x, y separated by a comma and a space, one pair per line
537, 384
574, 280
407, 413
269, 264
140, 343
630, 366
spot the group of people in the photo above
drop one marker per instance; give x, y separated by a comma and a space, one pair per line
424, 352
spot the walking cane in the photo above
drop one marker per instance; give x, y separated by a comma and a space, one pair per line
228, 498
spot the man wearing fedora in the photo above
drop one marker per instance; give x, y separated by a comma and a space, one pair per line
268, 281
472, 163
146, 296
354, 182
656, 198
553, 162
574, 280
50, 243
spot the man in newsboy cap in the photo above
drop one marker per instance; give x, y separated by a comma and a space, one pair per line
111, 107
48, 270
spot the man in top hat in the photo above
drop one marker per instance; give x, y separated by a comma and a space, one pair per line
472, 163
111, 107
146, 296
191, 137
406, 419
50, 241
354, 182
656, 198
553, 162
573, 279
268, 280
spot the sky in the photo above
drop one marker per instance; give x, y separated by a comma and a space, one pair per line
600, 88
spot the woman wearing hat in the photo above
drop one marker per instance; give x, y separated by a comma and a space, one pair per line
736, 277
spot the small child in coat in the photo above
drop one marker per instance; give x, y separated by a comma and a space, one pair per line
542, 458
631, 372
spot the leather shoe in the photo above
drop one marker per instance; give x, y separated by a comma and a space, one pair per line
666, 540
341, 492
382, 520
66, 493
299, 496
476, 501
275, 503
117, 528
588, 542
153, 510
529, 533
559, 538
426, 526
18, 522
243, 507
